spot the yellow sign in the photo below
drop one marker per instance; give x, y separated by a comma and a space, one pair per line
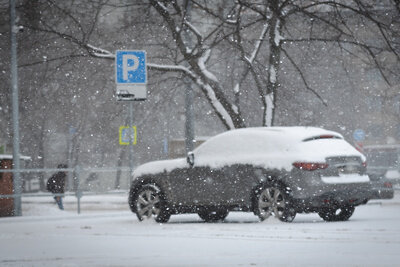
124, 135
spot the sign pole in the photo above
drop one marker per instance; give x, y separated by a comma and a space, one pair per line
15, 111
70, 177
131, 140
131, 82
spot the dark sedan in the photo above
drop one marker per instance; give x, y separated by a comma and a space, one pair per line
382, 188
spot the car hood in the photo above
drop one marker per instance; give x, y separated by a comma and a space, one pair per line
160, 166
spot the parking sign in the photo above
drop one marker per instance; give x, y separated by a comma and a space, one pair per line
359, 135
131, 74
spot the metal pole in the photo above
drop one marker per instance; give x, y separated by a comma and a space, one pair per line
189, 124
15, 109
131, 140
78, 188
70, 177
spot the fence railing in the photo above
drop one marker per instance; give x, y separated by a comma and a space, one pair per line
74, 183
383, 168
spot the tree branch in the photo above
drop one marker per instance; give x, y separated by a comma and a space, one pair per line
303, 77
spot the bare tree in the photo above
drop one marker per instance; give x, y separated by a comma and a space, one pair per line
250, 27
322, 21
332, 22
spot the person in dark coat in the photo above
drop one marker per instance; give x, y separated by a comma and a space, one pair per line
56, 185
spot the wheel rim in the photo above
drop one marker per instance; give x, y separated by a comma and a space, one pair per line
271, 201
148, 204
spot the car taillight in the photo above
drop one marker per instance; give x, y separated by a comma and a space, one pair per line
387, 184
308, 166
364, 164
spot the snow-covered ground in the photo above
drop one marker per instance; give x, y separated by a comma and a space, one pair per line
106, 233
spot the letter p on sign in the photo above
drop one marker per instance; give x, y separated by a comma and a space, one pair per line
130, 63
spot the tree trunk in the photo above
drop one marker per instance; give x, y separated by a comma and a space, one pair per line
273, 67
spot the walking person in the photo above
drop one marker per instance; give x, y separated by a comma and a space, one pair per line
56, 185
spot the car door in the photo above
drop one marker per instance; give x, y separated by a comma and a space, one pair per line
238, 181
180, 186
208, 184
196, 186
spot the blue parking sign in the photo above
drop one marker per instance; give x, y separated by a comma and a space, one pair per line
130, 67
359, 135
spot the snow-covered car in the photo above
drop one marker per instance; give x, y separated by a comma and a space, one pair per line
276, 171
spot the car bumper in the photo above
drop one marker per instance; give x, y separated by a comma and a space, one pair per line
382, 193
314, 192
333, 199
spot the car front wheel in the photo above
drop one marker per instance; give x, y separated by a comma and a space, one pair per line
336, 214
150, 203
273, 200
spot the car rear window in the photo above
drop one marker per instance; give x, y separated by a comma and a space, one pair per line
326, 136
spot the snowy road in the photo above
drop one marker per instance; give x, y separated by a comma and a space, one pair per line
116, 238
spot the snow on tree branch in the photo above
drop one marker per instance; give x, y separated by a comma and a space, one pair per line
217, 104
258, 44
202, 60
176, 68
194, 30
99, 52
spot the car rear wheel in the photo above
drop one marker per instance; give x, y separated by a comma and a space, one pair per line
336, 214
213, 215
150, 203
273, 200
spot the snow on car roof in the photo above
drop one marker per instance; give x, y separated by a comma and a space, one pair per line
269, 147
294, 133
261, 139
272, 147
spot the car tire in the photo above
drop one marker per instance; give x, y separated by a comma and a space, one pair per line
150, 203
213, 215
336, 214
274, 199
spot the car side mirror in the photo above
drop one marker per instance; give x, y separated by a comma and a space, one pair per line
190, 158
